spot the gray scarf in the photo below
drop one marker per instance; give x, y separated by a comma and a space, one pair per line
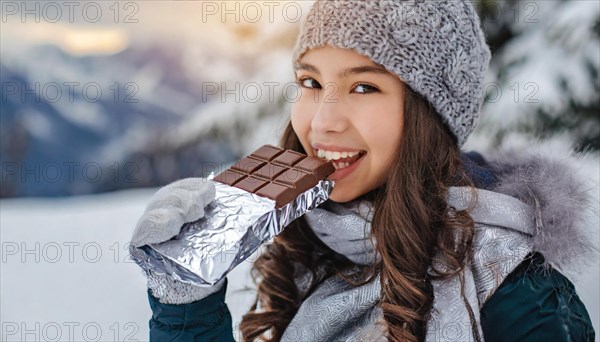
517, 217
345, 228
337, 311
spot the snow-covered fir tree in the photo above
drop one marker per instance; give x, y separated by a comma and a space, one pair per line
543, 77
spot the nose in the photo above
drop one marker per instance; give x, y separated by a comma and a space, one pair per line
330, 117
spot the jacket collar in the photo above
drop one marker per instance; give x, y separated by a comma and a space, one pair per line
560, 199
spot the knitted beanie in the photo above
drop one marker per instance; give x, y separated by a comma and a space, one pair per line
436, 47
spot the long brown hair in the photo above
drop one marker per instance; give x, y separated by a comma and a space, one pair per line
411, 223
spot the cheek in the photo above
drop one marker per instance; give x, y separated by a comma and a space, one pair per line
382, 132
383, 137
385, 141
384, 148
300, 119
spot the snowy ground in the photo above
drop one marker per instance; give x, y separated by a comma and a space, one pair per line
65, 274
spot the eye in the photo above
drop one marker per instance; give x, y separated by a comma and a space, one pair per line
308, 82
364, 88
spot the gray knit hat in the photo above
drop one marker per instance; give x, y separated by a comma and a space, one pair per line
435, 47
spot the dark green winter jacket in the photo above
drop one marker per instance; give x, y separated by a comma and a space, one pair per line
206, 320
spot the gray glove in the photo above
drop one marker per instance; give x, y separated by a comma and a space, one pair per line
169, 209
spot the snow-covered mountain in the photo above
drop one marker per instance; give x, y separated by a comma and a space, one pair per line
181, 96
70, 123
158, 107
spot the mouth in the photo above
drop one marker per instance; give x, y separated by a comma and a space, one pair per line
341, 159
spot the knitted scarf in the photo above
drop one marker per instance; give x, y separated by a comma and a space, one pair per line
337, 311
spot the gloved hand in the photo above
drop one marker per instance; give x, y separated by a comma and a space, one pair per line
172, 206
169, 209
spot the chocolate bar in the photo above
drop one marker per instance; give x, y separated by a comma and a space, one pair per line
278, 174
256, 198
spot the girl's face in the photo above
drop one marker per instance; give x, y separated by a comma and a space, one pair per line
350, 111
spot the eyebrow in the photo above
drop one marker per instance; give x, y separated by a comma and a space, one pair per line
377, 69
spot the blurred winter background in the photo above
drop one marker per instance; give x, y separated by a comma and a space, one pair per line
103, 102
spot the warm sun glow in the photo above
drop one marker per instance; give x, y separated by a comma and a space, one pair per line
72, 39
79, 42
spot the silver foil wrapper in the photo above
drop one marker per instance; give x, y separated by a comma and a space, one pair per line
235, 225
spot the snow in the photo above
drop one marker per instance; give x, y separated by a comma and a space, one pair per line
526, 74
258, 120
38, 124
65, 271
85, 113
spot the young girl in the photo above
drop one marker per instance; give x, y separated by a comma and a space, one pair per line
418, 241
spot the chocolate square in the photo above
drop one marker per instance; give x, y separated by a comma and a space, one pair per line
297, 179
248, 165
251, 184
288, 158
279, 193
317, 166
267, 152
269, 171
229, 177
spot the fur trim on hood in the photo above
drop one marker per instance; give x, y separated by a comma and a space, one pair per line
565, 200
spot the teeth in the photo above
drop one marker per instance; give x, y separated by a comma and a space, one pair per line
335, 155
341, 165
